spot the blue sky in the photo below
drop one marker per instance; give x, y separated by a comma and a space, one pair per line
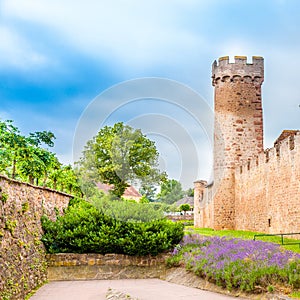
56, 57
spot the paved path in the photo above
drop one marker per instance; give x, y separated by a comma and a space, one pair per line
143, 289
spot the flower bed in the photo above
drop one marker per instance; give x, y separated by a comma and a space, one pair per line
235, 263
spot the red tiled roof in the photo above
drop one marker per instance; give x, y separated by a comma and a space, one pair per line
129, 192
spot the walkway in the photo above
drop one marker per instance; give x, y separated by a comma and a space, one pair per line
143, 289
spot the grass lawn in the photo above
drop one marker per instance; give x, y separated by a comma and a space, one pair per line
249, 235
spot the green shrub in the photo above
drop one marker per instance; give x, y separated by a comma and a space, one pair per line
184, 207
25, 207
86, 229
186, 222
3, 197
127, 210
11, 225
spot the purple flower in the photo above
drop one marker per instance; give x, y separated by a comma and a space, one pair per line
236, 262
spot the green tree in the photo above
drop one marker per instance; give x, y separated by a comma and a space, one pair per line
68, 180
26, 158
185, 207
22, 156
12, 145
148, 190
120, 155
170, 191
190, 192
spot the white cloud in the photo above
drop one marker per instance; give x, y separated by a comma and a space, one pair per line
134, 33
16, 52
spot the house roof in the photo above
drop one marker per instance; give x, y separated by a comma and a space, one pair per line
188, 200
129, 192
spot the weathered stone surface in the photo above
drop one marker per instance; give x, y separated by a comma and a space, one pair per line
267, 190
110, 266
23, 264
252, 189
238, 124
114, 295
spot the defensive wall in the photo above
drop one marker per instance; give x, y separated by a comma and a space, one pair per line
267, 192
253, 189
23, 264
267, 189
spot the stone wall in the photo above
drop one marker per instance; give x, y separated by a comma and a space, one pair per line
203, 205
184, 217
70, 266
267, 190
253, 189
238, 129
23, 265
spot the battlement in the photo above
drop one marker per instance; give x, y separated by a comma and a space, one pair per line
240, 70
253, 189
281, 152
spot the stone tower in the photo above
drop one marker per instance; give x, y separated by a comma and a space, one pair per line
238, 132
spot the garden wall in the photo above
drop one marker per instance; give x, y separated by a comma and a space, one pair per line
23, 264
69, 266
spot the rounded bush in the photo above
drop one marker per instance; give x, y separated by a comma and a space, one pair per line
85, 229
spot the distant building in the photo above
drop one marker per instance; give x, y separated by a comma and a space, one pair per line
186, 200
130, 193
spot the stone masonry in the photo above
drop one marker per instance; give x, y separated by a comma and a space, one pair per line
252, 189
72, 266
267, 189
23, 264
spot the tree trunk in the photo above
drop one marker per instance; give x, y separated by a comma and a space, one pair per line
13, 175
31, 179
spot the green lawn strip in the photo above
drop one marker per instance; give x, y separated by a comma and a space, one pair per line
295, 295
245, 235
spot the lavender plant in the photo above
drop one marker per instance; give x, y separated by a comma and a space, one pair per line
235, 263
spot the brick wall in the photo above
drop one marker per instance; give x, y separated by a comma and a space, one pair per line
23, 266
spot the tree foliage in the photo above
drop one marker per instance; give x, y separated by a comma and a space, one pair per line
120, 155
170, 191
190, 192
184, 207
148, 190
26, 158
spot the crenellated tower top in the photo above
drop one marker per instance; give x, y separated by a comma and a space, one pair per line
240, 70
238, 130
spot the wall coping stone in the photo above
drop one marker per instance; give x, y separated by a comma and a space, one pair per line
44, 188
